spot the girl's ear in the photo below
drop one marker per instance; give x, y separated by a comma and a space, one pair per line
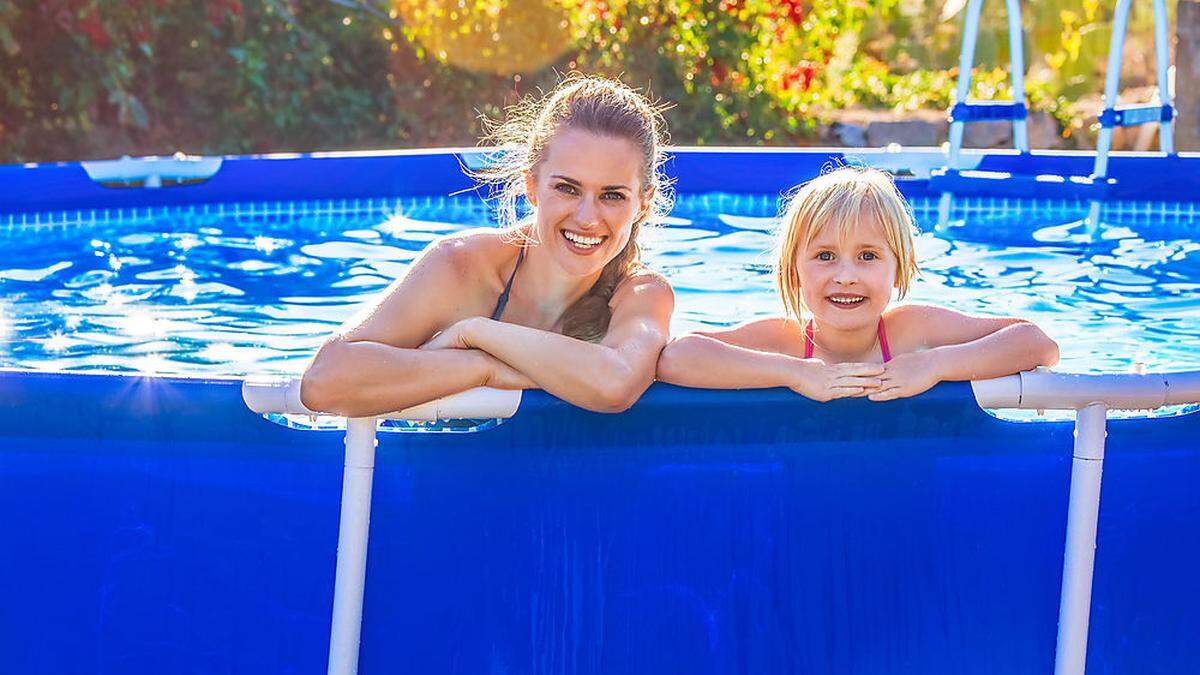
531, 188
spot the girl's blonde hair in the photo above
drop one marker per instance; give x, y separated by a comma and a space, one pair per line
841, 198
603, 107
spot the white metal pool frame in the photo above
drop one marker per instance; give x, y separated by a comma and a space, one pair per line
1090, 396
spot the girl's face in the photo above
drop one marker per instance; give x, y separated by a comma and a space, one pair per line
846, 281
587, 191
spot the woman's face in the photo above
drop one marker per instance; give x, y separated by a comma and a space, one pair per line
587, 192
847, 281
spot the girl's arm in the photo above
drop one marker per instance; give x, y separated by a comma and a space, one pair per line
605, 377
372, 366
959, 346
738, 359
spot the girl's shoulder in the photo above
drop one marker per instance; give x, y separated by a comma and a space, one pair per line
911, 327
779, 334
916, 313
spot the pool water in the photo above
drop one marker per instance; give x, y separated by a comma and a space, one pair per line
254, 288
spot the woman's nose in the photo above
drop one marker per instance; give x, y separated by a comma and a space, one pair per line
588, 214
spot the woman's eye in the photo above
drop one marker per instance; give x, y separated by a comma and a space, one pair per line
566, 188
613, 196
870, 255
825, 255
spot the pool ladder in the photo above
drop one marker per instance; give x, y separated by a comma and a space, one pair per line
1094, 188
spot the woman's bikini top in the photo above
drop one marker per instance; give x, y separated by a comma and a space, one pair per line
883, 345
503, 299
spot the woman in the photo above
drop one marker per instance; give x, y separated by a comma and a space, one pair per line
558, 301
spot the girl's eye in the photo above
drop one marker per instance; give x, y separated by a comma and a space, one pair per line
566, 188
870, 255
825, 255
613, 196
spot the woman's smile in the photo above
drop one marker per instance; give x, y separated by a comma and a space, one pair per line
581, 243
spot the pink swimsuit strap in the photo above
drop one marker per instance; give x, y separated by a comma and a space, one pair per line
883, 345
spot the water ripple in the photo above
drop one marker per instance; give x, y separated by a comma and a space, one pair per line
216, 295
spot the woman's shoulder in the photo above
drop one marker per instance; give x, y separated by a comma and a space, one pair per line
643, 287
470, 245
479, 252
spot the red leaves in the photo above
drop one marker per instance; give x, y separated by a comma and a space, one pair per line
796, 10
217, 10
94, 29
800, 76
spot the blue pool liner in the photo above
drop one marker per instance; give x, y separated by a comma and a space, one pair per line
156, 525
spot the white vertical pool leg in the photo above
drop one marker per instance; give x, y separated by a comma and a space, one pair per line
352, 546
1070, 654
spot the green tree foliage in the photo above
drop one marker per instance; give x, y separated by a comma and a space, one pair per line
93, 78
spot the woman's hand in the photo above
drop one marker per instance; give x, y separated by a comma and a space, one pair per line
821, 382
908, 375
457, 335
503, 376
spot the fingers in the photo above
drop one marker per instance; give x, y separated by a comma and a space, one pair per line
866, 382
859, 369
887, 394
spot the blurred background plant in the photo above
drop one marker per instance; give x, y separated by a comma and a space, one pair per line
86, 79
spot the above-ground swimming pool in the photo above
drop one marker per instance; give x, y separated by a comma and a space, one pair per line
160, 526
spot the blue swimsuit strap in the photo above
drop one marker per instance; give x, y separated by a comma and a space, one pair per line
503, 299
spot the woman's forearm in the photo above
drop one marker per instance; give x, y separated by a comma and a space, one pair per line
361, 378
1011, 349
592, 376
705, 362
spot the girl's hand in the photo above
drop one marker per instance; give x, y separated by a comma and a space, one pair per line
456, 335
822, 382
907, 375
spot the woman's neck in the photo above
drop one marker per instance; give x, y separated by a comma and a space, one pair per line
546, 291
845, 345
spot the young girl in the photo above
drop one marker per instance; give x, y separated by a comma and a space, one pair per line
846, 244
558, 301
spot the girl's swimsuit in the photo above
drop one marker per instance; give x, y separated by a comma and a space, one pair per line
883, 346
503, 299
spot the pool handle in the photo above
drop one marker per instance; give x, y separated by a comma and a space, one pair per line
1042, 389
282, 395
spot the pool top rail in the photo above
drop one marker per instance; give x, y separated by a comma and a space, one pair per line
1039, 389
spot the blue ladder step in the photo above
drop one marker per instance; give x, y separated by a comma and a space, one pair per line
1134, 115
988, 111
972, 183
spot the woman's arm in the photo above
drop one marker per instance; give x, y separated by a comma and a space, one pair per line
372, 366
605, 377
963, 347
735, 359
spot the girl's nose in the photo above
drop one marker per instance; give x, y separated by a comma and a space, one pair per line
845, 273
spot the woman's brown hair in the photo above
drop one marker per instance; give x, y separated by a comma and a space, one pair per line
603, 107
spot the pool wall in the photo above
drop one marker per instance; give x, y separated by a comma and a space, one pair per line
154, 524
67, 186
